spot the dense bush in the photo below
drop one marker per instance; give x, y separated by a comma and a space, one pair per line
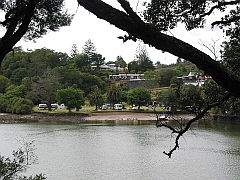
16, 105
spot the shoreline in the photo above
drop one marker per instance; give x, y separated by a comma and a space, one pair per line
99, 116
81, 117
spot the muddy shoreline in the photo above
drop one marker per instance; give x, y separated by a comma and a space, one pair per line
78, 117
98, 116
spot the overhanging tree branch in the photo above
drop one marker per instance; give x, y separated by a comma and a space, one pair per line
232, 19
219, 5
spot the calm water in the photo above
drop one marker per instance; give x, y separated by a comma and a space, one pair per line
129, 152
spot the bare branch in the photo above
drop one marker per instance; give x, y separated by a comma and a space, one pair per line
210, 47
180, 131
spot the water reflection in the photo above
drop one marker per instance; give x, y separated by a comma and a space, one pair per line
100, 151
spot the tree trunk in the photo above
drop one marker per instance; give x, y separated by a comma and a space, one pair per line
14, 32
132, 24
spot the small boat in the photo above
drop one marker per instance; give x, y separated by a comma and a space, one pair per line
164, 117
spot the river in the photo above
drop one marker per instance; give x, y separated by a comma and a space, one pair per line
127, 152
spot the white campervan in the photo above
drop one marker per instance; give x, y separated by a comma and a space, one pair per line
118, 106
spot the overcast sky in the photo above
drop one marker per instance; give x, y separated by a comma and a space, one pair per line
104, 36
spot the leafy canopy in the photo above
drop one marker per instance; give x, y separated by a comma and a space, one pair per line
48, 15
70, 97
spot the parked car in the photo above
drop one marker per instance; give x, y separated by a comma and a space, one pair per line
104, 107
118, 106
134, 108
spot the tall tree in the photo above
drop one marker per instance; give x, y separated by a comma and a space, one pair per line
120, 62
139, 97
30, 19
133, 67
143, 59
45, 88
114, 94
151, 79
96, 98
74, 51
89, 83
82, 62
70, 97
97, 60
89, 49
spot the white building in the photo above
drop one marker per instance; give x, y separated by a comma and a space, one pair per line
109, 67
130, 77
194, 79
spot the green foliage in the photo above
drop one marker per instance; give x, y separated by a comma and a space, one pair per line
181, 70
114, 94
123, 88
139, 97
168, 97
185, 97
89, 82
96, 98
45, 88
22, 158
16, 105
212, 92
190, 96
97, 60
152, 79
231, 51
133, 67
4, 82
3, 104
17, 75
48, 15
165, 75
74, 51
70, 97
166, 14
17, 91
69, 75
31, 63
142, 61
120, 62
23, 106
89, 49
15, 67
82, 62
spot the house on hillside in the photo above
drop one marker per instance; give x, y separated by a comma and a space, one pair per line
130, 77
109, 67
194, 79
133, 80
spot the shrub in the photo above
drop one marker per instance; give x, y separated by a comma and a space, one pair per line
16, 105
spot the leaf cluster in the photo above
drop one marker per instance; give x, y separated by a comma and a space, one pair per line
48, 15
165, 14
